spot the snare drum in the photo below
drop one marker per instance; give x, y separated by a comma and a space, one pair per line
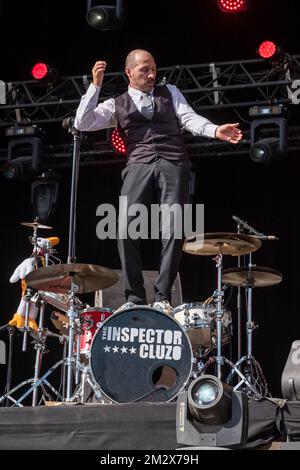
198, 320
91, 319
141, 354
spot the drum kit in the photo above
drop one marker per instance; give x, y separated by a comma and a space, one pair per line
142, 354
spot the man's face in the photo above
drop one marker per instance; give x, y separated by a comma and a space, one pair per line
142, 75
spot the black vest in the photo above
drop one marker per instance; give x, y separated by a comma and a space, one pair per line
147, 139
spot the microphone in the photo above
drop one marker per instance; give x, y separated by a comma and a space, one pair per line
267, 237
238, 220
68, 122
259, 235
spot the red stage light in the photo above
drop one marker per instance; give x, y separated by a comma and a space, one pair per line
39, 71
233, 6
267, 49
117, 142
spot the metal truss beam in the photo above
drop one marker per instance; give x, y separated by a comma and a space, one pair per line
101, 153
218, 85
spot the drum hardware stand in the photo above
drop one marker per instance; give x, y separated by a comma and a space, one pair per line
29, 291
219, 359
240, 229
26, 329
34, 385
252, 368
70, 360
86, 378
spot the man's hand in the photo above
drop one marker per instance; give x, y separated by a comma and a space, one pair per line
98, 72
229, 133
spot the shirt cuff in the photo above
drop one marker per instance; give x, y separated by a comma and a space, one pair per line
93, 89
210, 130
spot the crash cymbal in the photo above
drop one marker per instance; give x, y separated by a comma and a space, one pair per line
59, 277
35, 225
209, 244
61, 322
60, 301
254, 276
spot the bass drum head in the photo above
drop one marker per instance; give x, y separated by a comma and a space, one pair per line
141, 354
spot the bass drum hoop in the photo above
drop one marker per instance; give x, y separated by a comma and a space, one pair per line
137, 308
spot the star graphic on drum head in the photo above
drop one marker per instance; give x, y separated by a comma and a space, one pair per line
107, 348
132, 350
124, 350
115, 349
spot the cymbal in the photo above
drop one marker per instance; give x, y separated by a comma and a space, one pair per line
59, 278
254, 276
60, 301
35, 224
61, 322
234, 244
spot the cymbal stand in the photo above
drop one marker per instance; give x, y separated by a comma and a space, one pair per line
252, 369
26, 329
219, 296
72, 314
219, 359
39, 345
37, 383
239, 301
28, 294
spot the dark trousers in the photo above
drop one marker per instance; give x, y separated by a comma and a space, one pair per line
161, 182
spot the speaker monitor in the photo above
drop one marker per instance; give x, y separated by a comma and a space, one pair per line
114, 296
290, 380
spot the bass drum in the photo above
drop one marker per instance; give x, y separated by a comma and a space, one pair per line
141, 354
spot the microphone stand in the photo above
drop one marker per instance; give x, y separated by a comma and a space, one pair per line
239, 303
68, 123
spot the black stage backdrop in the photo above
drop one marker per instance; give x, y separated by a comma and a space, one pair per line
264, 195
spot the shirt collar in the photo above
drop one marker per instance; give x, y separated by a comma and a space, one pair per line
137, 94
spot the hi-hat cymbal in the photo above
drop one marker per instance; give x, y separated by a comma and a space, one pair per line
209, 244
60, 277
60, 301
254, 276
35, 225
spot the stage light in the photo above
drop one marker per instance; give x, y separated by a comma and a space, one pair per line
105, 17
39, 70
265, 150
24, 153
267, 49
233, 6
44, 195
270, 51
117, 142
271, 121
44, 73
211, 414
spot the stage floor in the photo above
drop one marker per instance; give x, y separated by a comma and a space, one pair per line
139, 426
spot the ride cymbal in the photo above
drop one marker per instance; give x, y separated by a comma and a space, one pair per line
209, 244
253, 276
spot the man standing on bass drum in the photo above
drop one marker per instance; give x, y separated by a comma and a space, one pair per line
149, 118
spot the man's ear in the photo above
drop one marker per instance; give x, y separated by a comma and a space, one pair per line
128, 72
